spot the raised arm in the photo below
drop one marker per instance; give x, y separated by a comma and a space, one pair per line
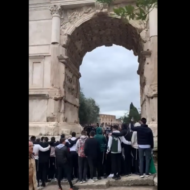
43, 149
134, 128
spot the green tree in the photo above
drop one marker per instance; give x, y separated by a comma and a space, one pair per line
88, 110
133, 113
139, 11
82, 108
93, 111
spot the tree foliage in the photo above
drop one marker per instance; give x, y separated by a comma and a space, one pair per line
88, 110
139, 11
133, 113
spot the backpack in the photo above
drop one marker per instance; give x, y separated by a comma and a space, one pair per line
114, 146
81, 148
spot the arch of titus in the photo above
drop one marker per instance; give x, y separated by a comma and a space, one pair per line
61, 32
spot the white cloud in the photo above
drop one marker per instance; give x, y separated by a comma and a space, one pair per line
109, 75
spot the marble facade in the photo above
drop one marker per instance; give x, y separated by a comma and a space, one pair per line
60, 34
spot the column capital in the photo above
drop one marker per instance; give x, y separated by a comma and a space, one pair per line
55, 10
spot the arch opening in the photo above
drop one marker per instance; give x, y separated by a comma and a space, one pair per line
109, 77
84, 36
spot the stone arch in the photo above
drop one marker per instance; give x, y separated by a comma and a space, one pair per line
85, 34
97, 29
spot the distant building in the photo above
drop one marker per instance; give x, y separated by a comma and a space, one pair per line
106, 119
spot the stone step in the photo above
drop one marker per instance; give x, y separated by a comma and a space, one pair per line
55, 187
133, 180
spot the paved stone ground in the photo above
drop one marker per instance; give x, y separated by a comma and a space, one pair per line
55, 187
129, 182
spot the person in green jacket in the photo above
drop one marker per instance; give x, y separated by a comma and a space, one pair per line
101, 155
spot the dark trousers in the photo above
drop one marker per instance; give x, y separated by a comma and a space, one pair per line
101, 164
92, 162
108, 164
147, 153
116, 163
82, 163
74, 164
128, 159
135, 161
37, 172
51, 168
64, 169
43, 171
123, 166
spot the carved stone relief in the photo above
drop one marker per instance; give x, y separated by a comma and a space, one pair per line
151, 90
151, 102
101, 7
69, 17
70, 82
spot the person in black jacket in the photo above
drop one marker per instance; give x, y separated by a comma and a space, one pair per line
68, 144
62, 163
43, 163
91, 150
145, 144
51, 172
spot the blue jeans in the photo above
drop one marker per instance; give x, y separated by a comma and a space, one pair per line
147, 153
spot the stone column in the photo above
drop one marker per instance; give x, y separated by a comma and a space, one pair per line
55, 32
54, 101
153, 82
55, 40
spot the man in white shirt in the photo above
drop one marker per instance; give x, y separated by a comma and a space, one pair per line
114, 145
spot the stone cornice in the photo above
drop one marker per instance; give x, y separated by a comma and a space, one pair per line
66, 4
42, 91
44, 96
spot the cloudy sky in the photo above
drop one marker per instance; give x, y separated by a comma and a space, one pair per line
109, 75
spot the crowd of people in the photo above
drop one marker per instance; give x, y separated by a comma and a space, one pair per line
98, 153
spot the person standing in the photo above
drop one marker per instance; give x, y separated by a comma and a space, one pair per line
127, 161
91, 150
63, 163
82, 160
44, 162
51, 174
145, 145
134, 151
102, 151
74, 157
37, 147
114, 146
32, 169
